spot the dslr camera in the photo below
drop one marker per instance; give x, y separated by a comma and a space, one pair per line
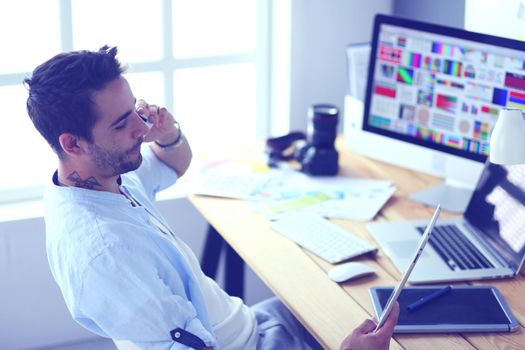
316, 152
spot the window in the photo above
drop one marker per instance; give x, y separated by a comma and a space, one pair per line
205, 60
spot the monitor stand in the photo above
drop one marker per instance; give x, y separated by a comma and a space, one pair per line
452, 198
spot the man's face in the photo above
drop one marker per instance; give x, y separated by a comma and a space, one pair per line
118, 132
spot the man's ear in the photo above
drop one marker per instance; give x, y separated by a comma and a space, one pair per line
71, 144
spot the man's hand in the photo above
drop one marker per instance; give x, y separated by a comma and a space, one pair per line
163, 128
364, 337
164, 132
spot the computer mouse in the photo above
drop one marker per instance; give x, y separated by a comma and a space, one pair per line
349, 271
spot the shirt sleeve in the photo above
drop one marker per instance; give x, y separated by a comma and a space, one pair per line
124, 296
154, 174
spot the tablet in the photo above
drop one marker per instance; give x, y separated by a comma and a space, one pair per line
462, 309
395, 294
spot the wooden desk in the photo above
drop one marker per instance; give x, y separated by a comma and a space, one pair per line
329, 310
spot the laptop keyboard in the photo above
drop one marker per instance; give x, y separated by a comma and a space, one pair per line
455, 249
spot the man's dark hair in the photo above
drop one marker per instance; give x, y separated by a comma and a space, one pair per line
61, 88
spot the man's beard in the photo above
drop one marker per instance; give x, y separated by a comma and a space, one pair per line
117, 162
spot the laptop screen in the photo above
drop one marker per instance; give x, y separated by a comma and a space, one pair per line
497, 210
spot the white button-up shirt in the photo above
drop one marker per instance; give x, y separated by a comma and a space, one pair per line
122, 278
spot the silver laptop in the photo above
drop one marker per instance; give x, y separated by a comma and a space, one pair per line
487, 243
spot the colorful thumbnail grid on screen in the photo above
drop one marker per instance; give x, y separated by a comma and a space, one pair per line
443, 90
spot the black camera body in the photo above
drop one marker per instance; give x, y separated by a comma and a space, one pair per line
318, 161
317, 155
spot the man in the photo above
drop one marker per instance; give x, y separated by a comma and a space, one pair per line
122, 271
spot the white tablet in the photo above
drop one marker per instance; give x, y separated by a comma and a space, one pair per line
395, 294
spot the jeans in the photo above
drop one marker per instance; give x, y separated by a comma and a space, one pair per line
279, 329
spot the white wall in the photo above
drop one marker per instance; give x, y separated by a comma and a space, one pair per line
320, 33
445, 12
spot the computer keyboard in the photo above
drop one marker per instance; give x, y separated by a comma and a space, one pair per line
321, 237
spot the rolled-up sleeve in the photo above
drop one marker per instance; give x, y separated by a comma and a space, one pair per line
124, 296
154, 175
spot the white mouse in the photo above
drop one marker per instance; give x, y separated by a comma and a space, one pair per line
349, 271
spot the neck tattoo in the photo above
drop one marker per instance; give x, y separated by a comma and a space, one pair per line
90, 183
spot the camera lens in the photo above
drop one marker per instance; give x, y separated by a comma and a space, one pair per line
325, 118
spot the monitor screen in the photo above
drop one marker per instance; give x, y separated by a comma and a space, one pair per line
440, 87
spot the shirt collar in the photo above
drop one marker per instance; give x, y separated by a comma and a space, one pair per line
56, 183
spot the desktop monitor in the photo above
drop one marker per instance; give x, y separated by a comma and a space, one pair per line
433, 95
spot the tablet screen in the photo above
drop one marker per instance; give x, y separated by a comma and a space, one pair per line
464, 308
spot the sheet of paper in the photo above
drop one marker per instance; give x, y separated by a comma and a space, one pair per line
362, 205
332, 197
231, 178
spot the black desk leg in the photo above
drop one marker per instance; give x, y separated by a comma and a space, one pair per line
212, 252
234, 273
234, 265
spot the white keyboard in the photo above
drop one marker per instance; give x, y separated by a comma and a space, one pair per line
322, 237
